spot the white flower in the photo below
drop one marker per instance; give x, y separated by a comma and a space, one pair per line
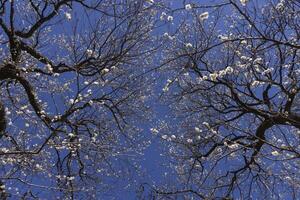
243, 2
275, 153
233, 146
258, 60
255, 83
244, 58
70, 178
166, 34
170, 18
229, 70
171, 37
206, 124
223, 37
188, 45
7, 111
86, 83
204, 16
198, 130
163, 15
189, 140
71, 134
244, 42
105, 70
166, 88
150, 1
68, 16
213, 76
23, 107
71, 101
39, 167
154, 131
89, 52
164, 137
49, 68
267, 71
188, 6
280, 6
173, 137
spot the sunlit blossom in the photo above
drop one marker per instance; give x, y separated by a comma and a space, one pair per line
244, 2
68, 16
170, 18
203, 16
188, 6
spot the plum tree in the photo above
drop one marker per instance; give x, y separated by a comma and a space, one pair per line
233, 69
71, 91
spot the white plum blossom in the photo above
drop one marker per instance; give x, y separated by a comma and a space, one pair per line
166, 88
267, 71
189, 140
71, 178
198, 130
294, 91
170, 18
49, 68
166, 34
154, 131
280, 6
244, 42
105, 70
188, 45
89, 52
213, 76
68, 16
203, 16
164, 137
150, 1
206, 124
275, 153
71, 135
71, 101
223, 37
233, 146
163, 15
173, 137
229, 70
255, 83
91, 102
244, 2
188, 6
258, 60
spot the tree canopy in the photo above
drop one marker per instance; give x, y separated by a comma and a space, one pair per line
84, 82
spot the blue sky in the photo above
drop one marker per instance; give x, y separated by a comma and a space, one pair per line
150, 166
